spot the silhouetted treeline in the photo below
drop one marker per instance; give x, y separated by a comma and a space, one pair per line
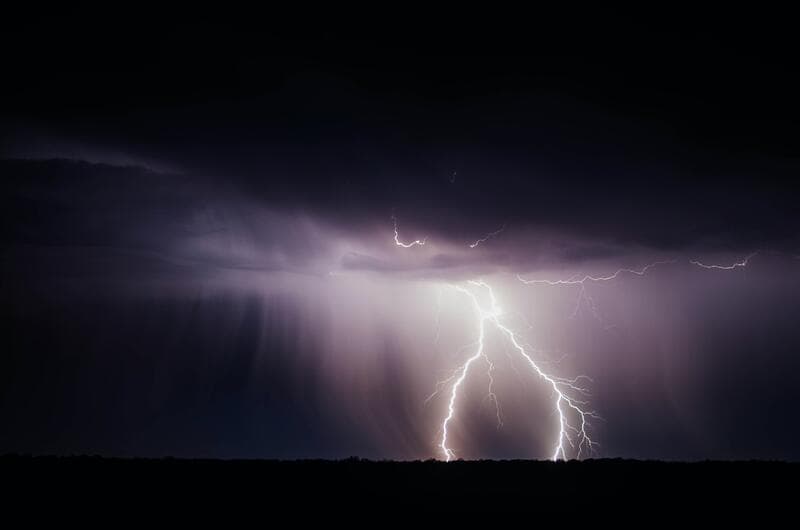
191, 487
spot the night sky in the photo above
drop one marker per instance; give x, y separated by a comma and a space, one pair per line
198, 233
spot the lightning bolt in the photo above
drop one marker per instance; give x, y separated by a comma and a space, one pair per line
570, 402
736, 265
399, 243
569, 405
488, 236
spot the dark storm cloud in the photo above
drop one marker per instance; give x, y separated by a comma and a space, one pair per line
646, 138
91, 218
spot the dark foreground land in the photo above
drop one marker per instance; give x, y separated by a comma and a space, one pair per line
59, 486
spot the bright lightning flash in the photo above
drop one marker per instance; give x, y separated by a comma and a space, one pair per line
569, 406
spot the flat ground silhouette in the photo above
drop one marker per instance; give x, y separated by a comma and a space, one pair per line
96, 484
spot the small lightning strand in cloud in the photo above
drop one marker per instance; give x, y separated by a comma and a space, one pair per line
488, 236
589, 278
736, 265
399, 243
583, 294
441, 384
640, 272
566, 403
491, 396
438, 316
585, 298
